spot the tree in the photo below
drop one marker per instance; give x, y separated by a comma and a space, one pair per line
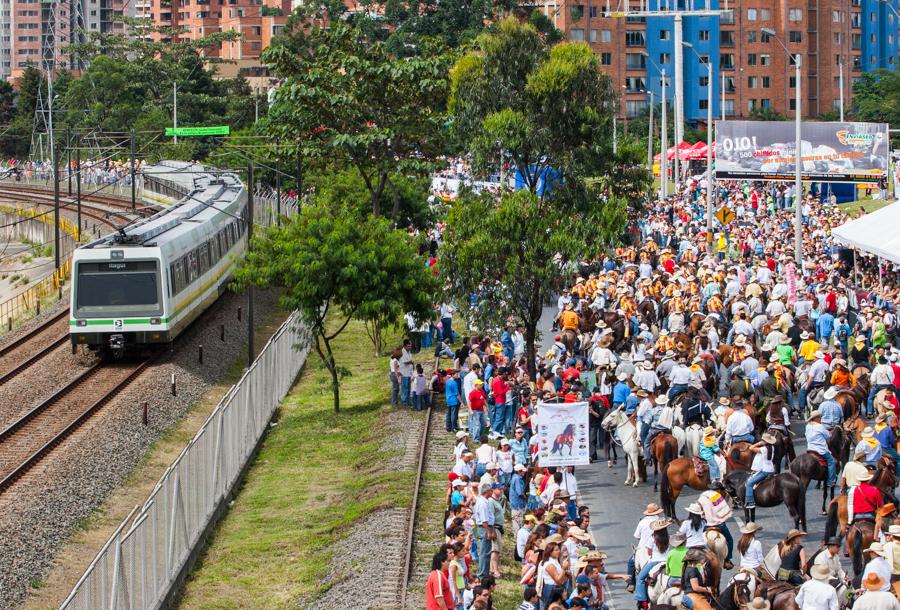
334, 268
348, 100
760, 113
546, 111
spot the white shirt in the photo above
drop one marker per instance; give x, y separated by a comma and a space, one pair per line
460, 447
775, 309
657, 555
680, 375
483, 512
646, 379
738, 424
468, 386
883, 374
521, 539
876, 600
643, 533
832, 562
761, 461
518, 344
485, 454
694, 537
446, 310
753, 558
570, 483
817, 595
880, 566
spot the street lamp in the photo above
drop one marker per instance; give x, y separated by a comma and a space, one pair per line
798, 144
709, 145
664, 149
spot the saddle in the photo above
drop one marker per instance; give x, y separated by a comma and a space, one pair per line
819, 457
769, 590
701, 468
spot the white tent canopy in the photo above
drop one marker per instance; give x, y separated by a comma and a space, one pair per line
876, 233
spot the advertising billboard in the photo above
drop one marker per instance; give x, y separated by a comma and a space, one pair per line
563, 434
830, 152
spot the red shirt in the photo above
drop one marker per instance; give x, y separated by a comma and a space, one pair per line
866, 498
437, 587
477, 398
830, 302
669, 265
896, 368
571, 374
499, 387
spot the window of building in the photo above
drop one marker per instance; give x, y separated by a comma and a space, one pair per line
856, 20
792, 103
727, 17
578, 12
665, 58
871, 17
704, 59
751, 59
872, 38
605, 35
872, 60
703, 35
704, 104
751, 104
592, 12
634, 38
592, 35
836, 16
795, 14
729, 107
635, 61
765, 59
576, 34
795, 36
605, 59
751, 36
665, 34
837, 82
726, 38
857, 62
837, 38
792, 82
635, 107
751, 14
765, 103
704, 81
765, 14
634, 84
766, 81
729, 84
752, 82
726, 61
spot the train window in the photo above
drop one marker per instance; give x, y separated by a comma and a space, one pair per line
117, 288
183, 269
193, 267
203, 258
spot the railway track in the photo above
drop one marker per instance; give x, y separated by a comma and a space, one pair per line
25, 442
19, 355
107, 200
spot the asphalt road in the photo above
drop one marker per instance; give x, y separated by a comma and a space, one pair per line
616, 509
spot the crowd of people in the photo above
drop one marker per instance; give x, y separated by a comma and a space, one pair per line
738, 341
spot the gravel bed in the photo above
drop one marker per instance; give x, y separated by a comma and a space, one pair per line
369, 560
41, 511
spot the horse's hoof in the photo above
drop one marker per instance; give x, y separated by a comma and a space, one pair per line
609, 463
634, 484
615, 462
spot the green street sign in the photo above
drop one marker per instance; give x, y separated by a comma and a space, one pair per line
222, 130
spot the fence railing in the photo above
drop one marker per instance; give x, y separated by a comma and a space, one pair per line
119, 186
146, 556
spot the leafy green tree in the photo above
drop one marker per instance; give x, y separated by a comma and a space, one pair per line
7, 102
546, 111
349, 101
30, 85
334, 268
765, 114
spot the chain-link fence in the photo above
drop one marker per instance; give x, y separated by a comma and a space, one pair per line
143, 559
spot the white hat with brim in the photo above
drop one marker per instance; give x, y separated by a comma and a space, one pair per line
830, 393
750, 527
461, 434
622, 376
819, 572
662, 399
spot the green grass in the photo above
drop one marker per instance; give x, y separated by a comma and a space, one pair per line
869, 205
316, 475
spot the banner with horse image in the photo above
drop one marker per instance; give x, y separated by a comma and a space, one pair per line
563, 434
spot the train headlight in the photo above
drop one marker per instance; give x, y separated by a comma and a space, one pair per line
82, 322
154, 320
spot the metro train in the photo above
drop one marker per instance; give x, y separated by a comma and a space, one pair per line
145, 283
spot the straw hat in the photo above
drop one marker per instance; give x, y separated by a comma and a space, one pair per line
759, 603
662, 399
814, 415
709, 431
867, 432
769, 438
660, 524
819, 572
873, 582
750, 528
794, 533
652, 509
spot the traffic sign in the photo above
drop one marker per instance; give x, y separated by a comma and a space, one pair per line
725, 215
222, 130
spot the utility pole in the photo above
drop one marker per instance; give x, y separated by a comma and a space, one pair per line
841, 84
278, 191
55, 155
615, 135
175, 109
650, 135
78, 185
679, 93
69, 157
664, 144
798, 180
250, 351
722, 93
133, 176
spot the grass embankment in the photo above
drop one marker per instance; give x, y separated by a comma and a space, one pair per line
316, 475
868, 205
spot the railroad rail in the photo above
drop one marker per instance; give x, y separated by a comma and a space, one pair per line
111, 201
94, 212
411, 528
31, 347
25, 442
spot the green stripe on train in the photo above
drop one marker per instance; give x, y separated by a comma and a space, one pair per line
124, 321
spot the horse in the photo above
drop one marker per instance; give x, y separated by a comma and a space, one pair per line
739, 456
779, 594
627, 437
860, 535
850, 401
885, 480
682, 342
609, 447
784, 488
740, 591
565, 439
693, 435
675, 475
648, 311
808, 467
784, 447
663, 449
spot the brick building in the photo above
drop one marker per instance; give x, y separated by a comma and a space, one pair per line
752, 69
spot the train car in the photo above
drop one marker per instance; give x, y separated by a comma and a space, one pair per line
145, 283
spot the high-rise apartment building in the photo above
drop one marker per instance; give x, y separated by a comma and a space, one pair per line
750, 67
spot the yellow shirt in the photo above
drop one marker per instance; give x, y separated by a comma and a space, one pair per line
569, 320
808, 349
722, 243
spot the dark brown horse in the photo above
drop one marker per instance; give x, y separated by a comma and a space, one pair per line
663, 449
784, 488
861, 534
648, 311
808, 467
885, 480
779, 594
676, 475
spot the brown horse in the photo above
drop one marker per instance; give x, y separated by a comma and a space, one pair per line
861, 534
885, 480
664, 449
682, 343
648, 311
680, 472
779, 594
725, 355
739, 456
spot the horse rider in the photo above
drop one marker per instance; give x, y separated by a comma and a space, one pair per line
870, 445
664, 344
716, 513
694, 410
679, 379
761, 468
693, 583
884, 434
740, 386
643, 533
864, 500
815, 377
770, 387
739, 426
832, 412
709, 447
829, 558
817, 442
568, 321
662, 421
841, 375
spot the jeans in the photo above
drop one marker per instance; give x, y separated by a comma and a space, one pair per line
484, 553
687, 602
476, 425
447, 329
832, 468
755, 478
405, 398
645, 440
743, 437
714, 474
547, 594
498, 421
804, 392
421, 402
640, 587
870, 401
395, 390
722, 528
428, 336
451, 421
678, 388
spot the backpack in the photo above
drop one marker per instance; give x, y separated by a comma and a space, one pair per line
842, 332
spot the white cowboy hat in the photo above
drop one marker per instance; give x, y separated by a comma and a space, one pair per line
694, 509
622, 376
804, 335
750, 527
740, 341
662, 399
830, 393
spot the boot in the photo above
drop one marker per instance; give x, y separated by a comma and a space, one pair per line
753, 514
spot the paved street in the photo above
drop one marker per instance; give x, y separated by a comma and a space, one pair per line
616, 509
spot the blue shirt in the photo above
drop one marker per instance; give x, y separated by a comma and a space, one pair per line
825, 325
832, 413
885, 437
517, 492
621, 391
631, 403
519, 449
451, 392
817, 438
872, 455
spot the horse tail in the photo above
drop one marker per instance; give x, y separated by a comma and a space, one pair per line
831, 522
856, 554
668, 454
665, 491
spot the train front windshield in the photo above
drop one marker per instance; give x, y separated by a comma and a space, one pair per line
125, 288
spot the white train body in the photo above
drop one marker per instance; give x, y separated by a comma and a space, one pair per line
145, 284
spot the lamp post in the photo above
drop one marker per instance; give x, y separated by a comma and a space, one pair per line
664, 137
709, 144
798, 145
